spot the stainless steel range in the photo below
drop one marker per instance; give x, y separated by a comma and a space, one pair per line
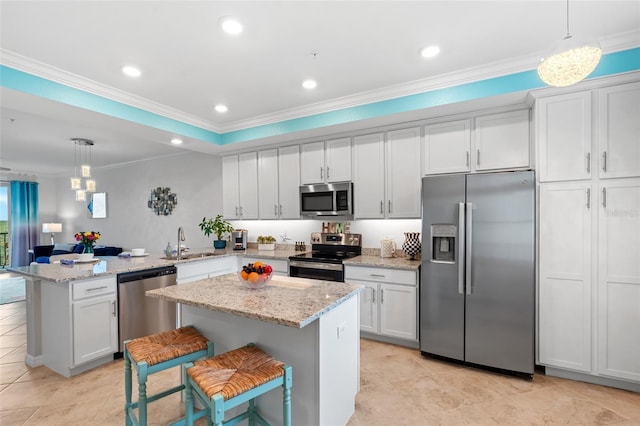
327, 254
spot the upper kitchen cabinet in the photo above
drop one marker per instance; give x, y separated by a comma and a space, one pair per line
289, 182
563, 130
502, 141
268, 202
240, 186
368, 176
386, 176
326, 162
619, 131
447, 147
403, 173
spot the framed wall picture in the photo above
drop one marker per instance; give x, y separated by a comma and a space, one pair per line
98, 205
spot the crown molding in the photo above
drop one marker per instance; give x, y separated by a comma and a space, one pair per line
48, 72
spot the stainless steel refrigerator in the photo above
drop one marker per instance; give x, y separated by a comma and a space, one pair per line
477, 291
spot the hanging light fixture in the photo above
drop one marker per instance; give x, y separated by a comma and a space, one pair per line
82, 149
570, 61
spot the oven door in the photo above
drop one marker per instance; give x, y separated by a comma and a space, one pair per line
316, 270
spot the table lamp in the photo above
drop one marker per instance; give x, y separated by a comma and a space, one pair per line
52, 228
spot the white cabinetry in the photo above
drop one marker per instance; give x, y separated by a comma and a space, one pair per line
589, 235
326, 162
79, 324
565, 274
502, 141
619, 279
289, 182
268, 184
392, 191
619, 131
240, 186
207, 268
563, 128
447, 147
389, 302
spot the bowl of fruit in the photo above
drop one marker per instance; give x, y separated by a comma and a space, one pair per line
255, 275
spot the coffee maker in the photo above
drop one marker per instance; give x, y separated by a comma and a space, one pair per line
239, 239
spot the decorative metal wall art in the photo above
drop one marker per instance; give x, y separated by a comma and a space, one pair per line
162, 201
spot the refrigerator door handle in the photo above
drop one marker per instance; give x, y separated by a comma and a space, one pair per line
461, 234
468, 243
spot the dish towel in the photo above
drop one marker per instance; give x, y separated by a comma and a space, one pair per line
66, 261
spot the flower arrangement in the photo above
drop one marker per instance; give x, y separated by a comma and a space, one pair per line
87, 238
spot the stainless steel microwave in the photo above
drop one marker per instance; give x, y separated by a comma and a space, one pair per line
333, 199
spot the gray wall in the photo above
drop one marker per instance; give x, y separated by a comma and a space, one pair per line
195, 178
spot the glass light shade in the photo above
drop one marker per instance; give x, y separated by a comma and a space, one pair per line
86, 170
51, 227
90, 185
570, 61
76, 183
81, 195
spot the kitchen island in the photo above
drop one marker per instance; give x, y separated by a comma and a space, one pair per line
309, 324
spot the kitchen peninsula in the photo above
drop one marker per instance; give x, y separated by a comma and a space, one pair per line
309, 324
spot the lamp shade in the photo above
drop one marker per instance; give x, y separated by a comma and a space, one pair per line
571, 61
51, 227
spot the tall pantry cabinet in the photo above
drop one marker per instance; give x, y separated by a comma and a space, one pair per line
589, 233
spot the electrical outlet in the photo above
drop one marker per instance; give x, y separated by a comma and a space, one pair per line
341, 329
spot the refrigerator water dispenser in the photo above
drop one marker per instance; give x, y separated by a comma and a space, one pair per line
443, 243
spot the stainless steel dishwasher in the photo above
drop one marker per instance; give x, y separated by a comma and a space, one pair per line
139, 315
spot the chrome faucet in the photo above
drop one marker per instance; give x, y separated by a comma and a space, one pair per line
180, 238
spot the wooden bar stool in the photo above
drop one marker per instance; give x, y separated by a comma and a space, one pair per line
232, 378
158, 352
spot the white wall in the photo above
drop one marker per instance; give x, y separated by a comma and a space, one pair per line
195, 178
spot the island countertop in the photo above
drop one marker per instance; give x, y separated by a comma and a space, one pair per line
288, 301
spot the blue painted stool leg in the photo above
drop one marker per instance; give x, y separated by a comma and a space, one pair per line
188, 396
252, 412
217, 409
286, 410
127, 386
142, 393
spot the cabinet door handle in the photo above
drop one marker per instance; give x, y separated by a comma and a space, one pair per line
113, 313
280, 209
377, 275
588, 198
467, 158
588, 162
236, 211
389, 206
241, 211
381, 296
373, 295
604, 161
327, 172
321, 172
97, 288
477, 157
381, 207
604, 197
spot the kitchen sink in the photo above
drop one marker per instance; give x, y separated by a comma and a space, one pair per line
192, 256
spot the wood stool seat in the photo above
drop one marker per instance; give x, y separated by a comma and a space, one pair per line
154, 353
235, 377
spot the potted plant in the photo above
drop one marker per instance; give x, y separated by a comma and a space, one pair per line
266, 242
216, 226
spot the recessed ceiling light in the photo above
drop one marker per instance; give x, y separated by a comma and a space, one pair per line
176, 141
131, 71
309, 84
230, 25
221, 108
430, 51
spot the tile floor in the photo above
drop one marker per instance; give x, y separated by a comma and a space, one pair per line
398, 387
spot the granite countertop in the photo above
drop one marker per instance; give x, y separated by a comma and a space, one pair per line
384, 262
288, 301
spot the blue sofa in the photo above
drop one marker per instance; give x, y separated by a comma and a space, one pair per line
41, 254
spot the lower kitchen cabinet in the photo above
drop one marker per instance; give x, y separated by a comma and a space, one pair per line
206, 268
388, 303
280, 267
589, 293
79, 324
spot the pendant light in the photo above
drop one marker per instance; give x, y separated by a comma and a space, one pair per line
570, 61
82, 150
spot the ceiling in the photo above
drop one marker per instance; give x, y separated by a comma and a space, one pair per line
355, 50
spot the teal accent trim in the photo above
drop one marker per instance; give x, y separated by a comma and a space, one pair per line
611, 64
29, 83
